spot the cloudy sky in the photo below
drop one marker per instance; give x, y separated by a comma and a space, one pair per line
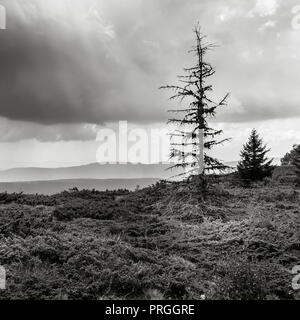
72, 67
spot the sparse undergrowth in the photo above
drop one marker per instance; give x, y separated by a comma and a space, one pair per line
155, 243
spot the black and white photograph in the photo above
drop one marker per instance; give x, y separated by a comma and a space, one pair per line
149, 151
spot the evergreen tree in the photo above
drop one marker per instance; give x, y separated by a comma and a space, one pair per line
195, 134
296, 163
254, 165
290, 156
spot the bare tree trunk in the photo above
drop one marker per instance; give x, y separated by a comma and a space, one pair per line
199, 135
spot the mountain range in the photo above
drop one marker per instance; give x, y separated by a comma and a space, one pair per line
91, 176
90, 171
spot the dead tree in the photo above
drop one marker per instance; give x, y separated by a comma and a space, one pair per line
194, 131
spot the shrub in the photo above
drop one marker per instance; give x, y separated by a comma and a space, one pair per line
241, 281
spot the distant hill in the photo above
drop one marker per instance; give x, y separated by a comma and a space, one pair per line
94, 171
91, 171
56, 186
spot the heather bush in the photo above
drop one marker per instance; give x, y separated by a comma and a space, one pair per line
241, 281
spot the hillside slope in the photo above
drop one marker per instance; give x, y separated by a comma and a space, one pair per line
159, 242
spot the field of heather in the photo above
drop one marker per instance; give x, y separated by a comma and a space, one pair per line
161, 242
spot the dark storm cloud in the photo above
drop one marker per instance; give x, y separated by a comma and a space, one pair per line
12, 131
70, 71
85, 61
